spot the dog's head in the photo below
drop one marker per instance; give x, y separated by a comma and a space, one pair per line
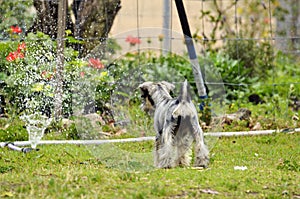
150, 92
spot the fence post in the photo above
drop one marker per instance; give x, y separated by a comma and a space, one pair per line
61, 24
166, 27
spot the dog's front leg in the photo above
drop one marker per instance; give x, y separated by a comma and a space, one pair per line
201, 150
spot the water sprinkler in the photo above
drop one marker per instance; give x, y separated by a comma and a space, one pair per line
36, 124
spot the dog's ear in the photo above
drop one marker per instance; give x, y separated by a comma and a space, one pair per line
145, 86
170, 87
148, 104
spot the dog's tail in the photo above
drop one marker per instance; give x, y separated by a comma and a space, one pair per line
184, 94
184, 107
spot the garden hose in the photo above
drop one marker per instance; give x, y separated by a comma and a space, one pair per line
12, 146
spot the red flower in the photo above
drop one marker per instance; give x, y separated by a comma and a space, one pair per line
266, 20
45, 74
11, 56
20, 55
96, 63
82, 74
133, 40
16, 29
21, 46
17, 54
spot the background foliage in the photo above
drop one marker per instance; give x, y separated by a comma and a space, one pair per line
244, 67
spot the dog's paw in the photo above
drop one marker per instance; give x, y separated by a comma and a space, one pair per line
202, 161
166, 163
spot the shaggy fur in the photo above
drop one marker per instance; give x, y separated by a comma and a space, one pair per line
176, 125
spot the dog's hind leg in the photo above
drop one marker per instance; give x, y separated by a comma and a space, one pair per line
201, 150
157, 149
168, 151
184, 148
184, 156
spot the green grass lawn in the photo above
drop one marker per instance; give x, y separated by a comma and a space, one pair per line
126, 171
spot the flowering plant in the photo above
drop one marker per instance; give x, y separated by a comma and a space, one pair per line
30, 75
133, 40
19, 53
95, 63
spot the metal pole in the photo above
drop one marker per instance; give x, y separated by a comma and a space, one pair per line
61, 26
191, 49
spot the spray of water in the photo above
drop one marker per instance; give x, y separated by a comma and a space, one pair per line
36, 123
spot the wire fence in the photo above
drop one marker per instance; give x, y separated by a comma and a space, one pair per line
263, 35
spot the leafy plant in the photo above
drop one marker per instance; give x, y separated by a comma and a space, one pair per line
6, 169
13, 131
257, 57
289, 165
233, 74
252, 20
15, 13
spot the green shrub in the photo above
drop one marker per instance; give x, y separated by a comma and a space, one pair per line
231, 73
257, 57
14, 131
15, 12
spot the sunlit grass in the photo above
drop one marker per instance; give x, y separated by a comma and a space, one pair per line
69, 171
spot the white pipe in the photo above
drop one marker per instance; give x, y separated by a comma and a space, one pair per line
83, 142
141, 139
240, 133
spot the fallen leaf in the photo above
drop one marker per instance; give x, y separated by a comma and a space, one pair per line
7, 194
251, 192
120, 132
242, 168
209, 191
198, 168
257, 126
296, 195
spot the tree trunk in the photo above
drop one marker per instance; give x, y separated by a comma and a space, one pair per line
61, 25
93, 20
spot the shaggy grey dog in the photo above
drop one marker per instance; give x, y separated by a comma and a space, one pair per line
176, 125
